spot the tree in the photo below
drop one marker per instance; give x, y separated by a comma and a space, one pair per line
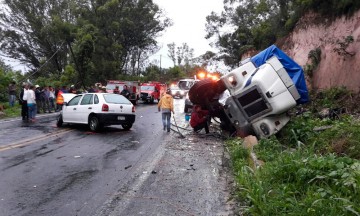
29, 33
100, 39
172, 52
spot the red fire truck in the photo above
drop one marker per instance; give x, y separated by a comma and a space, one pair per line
151, 91
133, 87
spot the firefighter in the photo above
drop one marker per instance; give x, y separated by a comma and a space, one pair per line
166, 105
116, 90
59, 100
199, 119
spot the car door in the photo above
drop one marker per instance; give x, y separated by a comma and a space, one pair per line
70, 111
85, 107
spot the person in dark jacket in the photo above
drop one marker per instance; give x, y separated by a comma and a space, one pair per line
39, 99
199, 119
12, 93
23, 103
125, 92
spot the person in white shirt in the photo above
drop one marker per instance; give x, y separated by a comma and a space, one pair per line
52, 98
31, 103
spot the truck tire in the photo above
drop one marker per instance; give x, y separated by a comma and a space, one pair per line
203, 92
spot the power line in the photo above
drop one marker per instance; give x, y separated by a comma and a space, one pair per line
47, 60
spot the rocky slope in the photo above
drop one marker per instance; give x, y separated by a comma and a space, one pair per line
340, 68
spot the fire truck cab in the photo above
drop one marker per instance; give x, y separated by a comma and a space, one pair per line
133, 87
152, 91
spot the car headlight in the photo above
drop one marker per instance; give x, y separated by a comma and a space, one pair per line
172, 92
182, 92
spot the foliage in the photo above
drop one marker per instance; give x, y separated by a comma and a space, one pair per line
11, 111
180, 54
6, 77
305, 171
245, 25
99, 39
315, 57
343, 45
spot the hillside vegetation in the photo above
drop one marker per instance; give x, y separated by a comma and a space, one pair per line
311, 167
258, 24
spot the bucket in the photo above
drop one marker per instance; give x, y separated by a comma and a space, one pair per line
187, 117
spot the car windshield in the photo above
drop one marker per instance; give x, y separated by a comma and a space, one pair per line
116, 99
147, 88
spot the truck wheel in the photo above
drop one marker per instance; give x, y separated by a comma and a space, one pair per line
203, 92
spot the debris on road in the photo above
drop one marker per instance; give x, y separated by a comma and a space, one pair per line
127, 167
77, 156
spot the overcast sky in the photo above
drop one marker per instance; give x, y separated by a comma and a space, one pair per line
189, 18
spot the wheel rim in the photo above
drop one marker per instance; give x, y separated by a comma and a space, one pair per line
93, 123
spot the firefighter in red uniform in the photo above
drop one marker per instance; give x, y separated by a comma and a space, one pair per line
199, 119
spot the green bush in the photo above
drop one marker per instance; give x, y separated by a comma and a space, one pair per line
305, 171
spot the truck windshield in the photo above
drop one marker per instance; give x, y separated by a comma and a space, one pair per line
147, 88
110, 86
186, 84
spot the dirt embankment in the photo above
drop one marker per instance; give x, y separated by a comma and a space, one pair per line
334, 69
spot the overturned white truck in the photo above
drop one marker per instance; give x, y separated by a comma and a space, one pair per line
262, 90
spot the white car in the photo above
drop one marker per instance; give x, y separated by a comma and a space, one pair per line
98, 110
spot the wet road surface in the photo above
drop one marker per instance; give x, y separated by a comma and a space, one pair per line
47, 170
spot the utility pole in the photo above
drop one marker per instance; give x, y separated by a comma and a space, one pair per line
160, 62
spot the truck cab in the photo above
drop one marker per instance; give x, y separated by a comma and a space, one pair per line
261, 91
133, 87
151, 91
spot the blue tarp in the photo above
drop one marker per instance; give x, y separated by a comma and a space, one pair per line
294, 70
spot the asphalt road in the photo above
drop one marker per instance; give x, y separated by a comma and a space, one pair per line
47, 170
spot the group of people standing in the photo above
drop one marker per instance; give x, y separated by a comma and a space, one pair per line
34, 99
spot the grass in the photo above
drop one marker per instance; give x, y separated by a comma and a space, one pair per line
306, 172
10, 112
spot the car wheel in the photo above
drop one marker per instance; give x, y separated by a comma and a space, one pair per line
59, 121
126, 126
94, 123
152, 100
